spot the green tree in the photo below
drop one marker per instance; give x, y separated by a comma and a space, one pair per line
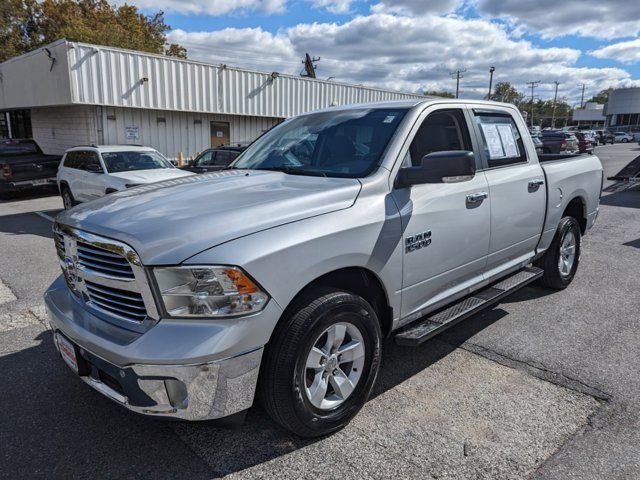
441, 93
602, 96
28, 24
505, 92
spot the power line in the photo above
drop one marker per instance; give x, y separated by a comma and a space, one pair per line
458, 77
533, 85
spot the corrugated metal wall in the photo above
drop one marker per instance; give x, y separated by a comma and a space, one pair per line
113, 77
171, 132
59, 128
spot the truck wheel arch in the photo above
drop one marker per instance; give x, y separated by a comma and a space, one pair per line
577, 208
357, 280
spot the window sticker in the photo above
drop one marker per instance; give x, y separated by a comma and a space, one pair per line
389, 119
492, 138
508, 140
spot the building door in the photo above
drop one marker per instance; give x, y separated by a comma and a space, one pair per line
219, 134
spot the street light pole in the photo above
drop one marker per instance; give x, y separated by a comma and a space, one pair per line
491, 70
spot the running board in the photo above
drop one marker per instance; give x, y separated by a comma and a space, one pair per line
420, 332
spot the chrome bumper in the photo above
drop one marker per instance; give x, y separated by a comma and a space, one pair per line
204, 387
188, 392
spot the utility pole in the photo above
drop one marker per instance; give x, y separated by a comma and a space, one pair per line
533, 85
491, 70
458, 77
553, 111
309, 66
582, 98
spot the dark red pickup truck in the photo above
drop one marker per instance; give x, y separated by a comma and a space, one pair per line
24, 166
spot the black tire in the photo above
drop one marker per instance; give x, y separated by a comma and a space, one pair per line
624, 140
282, 386
67, 197
553, 277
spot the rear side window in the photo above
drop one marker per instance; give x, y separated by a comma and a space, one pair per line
501, 139
224, 158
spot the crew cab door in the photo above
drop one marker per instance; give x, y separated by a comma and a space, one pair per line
445, 225
517, 189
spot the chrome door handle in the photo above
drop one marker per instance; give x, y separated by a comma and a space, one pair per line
535, 184
476, 197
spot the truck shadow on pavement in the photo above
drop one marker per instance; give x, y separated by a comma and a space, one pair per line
55, 426
28, 223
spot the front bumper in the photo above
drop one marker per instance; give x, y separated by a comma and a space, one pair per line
179, 383
27, 184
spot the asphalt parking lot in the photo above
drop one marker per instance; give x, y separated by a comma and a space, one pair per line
544, 385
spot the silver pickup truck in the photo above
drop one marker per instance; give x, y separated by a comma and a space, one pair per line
280, 277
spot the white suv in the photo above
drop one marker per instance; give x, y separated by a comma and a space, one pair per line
86, 173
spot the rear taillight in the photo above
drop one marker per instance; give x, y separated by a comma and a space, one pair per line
563, 145
5, 171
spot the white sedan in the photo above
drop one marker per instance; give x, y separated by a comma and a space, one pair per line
86, 173
623, 137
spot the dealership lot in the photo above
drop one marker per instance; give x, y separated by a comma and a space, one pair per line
544, 384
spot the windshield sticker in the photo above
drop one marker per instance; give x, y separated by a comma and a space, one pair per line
389, 119
492, 137
508, 140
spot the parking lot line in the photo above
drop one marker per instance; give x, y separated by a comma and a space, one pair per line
45, 216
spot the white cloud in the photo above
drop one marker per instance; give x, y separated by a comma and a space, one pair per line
626, 52
407, 53
214, 7
333, 6
605, 19
416, 7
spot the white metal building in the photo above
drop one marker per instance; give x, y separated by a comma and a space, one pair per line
79, 94
623, 110
592, 115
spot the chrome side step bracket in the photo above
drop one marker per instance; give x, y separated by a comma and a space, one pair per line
426, 328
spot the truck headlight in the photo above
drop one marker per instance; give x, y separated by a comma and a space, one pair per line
208, 291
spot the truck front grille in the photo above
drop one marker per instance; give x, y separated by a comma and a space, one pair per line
118, 302
103, 261
105, 275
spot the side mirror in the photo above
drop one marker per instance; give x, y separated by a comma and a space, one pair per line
94, 168
439, 167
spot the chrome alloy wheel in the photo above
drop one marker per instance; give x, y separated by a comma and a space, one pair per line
334, 365
567, 253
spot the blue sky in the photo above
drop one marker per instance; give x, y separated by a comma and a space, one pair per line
413, 44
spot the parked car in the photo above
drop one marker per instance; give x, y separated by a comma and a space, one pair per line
87, 173
339, 228
591, 136
24, 166
605, 136
213, 159
558, 141
623, 137
537, 143
584, 143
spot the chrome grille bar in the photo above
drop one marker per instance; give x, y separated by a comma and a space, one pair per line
105, 274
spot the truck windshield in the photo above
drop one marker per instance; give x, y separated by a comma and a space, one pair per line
135, 160
347, 143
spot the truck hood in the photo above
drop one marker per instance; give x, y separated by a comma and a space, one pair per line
168, 222
150, 176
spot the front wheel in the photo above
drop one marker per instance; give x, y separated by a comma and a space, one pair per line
67, 198
321, 363
560, 261
624, 140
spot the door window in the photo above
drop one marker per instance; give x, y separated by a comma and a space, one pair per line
441, 131
205, 159
223, 158
501, 139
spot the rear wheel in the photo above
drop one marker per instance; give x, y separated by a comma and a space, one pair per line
560, 262
322, 362
67, 198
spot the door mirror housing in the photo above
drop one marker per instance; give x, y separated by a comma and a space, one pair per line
94, 168
439, 167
